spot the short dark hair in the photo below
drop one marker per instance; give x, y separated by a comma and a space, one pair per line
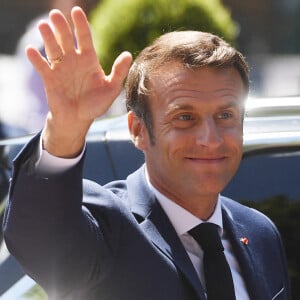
193, 49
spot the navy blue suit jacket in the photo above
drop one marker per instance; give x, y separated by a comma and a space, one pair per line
119, 244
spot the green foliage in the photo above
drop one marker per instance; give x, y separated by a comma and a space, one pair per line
285, 213
36, 293
131, 25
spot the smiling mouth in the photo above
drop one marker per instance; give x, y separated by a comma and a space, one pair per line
207, 159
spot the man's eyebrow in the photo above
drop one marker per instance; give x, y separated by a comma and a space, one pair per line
179, 107
232, 104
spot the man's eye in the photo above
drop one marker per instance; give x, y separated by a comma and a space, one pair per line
225, 115
185, 118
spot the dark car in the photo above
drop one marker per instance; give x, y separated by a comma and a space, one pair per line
268, 178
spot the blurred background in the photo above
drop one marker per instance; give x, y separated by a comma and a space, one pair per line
266, 32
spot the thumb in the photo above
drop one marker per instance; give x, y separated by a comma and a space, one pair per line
120, 68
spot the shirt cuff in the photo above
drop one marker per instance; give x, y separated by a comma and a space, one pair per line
48, 164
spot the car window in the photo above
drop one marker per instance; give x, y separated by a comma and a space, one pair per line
111, 160
265, 175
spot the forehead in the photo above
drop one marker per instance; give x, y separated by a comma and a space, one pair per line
175, 80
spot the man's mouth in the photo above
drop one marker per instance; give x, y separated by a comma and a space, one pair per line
208, 159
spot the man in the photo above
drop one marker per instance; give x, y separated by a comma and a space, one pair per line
134, 239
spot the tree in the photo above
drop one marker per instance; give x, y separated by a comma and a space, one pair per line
132, 24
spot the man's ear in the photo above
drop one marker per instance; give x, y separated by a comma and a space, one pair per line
138, 131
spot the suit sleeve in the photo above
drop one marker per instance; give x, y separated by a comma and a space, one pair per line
58, 242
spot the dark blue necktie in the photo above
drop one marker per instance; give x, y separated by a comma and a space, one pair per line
218, 278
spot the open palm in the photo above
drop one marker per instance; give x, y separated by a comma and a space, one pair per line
77, 89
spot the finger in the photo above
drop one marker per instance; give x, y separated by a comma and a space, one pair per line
37, 60
63, 31
82, 30
120, 68
52, 48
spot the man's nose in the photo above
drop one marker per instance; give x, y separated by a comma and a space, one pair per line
209, 134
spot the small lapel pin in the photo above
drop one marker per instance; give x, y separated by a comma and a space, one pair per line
244, 240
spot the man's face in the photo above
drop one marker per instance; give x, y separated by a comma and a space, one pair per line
198, 127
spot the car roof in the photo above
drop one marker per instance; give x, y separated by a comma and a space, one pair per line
271, 123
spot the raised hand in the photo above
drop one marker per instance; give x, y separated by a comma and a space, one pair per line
77, 89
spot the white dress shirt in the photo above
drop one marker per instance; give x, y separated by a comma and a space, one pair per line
181, 219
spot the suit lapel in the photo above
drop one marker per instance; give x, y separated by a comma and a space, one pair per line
156, 225
245, 254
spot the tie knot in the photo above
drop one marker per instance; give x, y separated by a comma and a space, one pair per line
207, 236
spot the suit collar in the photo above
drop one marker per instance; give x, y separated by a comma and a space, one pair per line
158, 228
140, 197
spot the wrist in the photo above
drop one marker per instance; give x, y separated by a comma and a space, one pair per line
63, 141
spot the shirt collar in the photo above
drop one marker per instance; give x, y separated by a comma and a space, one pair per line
181, 219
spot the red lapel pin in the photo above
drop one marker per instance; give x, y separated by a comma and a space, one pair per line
244, 240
